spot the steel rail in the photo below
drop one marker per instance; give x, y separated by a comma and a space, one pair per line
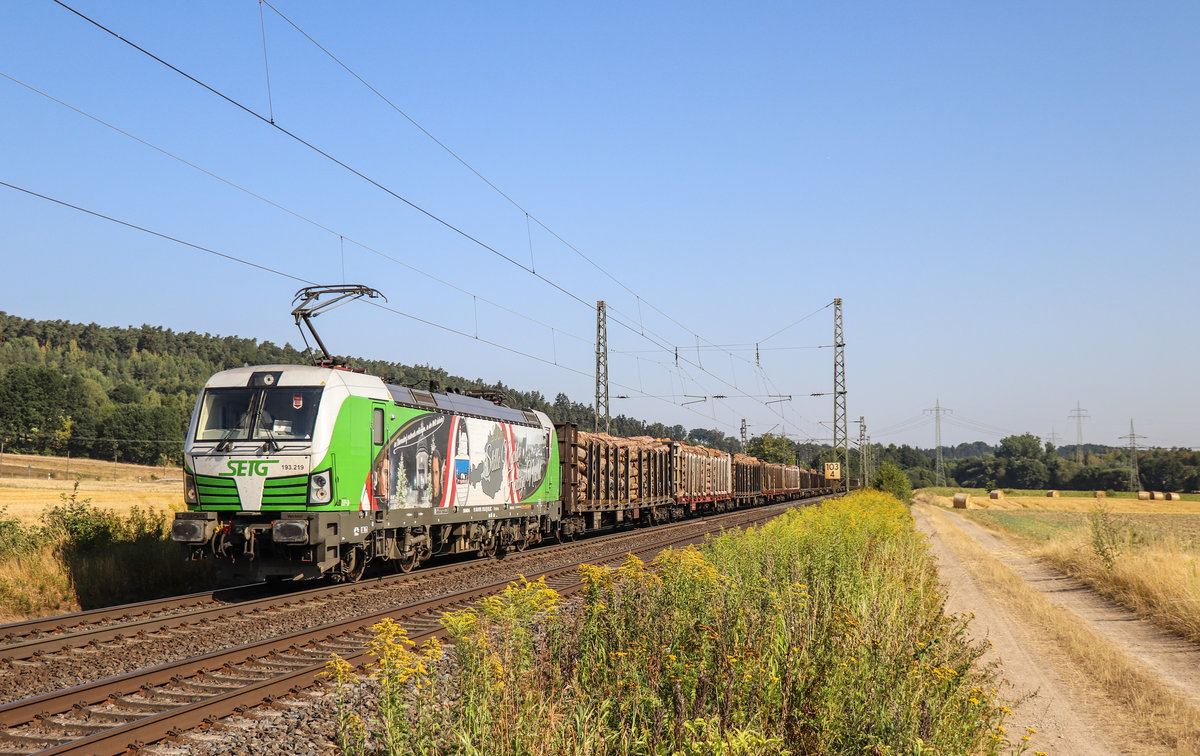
139, 624
160, 725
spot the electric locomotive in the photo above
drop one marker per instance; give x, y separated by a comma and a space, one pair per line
295, 471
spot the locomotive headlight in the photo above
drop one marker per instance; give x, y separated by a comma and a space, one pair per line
190, 496
289, 531
319, 489
188, 530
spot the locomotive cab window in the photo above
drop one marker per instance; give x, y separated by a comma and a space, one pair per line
279, 413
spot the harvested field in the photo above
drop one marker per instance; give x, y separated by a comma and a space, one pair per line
1068, 501
26, 488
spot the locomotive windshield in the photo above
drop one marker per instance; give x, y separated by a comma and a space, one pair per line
279, 413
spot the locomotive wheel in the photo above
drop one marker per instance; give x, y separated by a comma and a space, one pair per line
354, 564
489, 548
405, 564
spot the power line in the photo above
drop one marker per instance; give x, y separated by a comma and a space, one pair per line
801, 320
904, 425
316, 224
289, 276
143, 229
528, 216
250, 111
727, 348
269, 121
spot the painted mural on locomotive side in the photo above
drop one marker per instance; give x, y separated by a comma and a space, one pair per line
447, 460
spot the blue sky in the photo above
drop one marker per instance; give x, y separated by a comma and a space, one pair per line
1004, 195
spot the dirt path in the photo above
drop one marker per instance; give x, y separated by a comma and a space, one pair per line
1072, 714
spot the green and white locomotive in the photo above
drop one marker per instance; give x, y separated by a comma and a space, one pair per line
294, 471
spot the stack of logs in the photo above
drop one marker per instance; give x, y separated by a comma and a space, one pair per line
611, 459
703, 473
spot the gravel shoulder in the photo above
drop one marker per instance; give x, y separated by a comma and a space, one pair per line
1072, 714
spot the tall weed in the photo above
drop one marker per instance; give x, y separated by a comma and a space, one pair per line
821, 632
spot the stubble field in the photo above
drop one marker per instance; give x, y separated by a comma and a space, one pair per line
30, 483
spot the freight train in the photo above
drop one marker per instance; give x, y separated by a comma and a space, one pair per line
310, 471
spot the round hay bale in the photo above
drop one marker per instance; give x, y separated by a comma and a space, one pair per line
1052, 494
997, 494
1101, 494
1143, 496
962, 500
1158, 496
1174, 497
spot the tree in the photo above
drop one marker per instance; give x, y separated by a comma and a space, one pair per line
771, 448
892, 480
1024, 446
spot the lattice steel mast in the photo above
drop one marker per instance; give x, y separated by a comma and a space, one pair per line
863, 441
938, 410
601, 365
1079, 415
841, 437
1135, 483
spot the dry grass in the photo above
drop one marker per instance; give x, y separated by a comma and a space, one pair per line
38, 467
1154, 569
26, 488
26, 503
1151, 705
1086, 503
1117, 504
1159, 582
35, 585
1155, 564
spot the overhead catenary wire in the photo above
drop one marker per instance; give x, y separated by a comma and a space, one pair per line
529, 217
441, 221
329, 156
299, 279
342, 238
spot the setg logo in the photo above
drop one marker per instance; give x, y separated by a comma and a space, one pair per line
246, 467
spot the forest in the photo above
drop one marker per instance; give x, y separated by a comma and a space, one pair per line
126, 393
1024, 462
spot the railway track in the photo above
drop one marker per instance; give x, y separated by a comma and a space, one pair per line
146, 705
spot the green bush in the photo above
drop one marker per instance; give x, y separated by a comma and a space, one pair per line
17, 539
891, 479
